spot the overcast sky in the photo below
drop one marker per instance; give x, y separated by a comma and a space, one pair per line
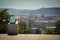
29, 4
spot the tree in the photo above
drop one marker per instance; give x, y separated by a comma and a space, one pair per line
57, 29
38, 31
47, 31
4, 19
23, 29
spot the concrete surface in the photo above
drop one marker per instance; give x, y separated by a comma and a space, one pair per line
29, 37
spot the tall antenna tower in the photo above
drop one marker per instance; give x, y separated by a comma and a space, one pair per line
43, 9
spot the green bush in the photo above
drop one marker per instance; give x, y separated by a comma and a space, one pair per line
23, 29
47, 31
38, 31
57, 29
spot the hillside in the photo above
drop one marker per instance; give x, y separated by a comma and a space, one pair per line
46, 11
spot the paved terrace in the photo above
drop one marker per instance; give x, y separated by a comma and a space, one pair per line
29, 37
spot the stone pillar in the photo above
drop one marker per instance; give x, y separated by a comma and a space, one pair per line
12, 29
13, 26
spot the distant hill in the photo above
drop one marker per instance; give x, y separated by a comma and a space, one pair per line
49, 11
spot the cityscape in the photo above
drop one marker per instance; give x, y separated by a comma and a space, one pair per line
29, 19
40, 20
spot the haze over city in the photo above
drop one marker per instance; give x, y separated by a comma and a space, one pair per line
29, 4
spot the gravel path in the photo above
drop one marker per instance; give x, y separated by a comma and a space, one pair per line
29, 37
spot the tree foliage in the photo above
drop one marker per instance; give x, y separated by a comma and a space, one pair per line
47, 31
4, 19
38, 31
57, 29
23, 29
